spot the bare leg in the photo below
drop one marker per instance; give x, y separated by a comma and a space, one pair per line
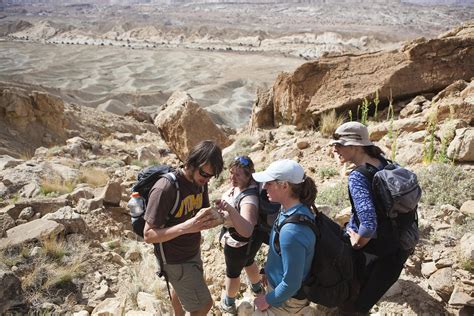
253, 273
232, 286
178, 309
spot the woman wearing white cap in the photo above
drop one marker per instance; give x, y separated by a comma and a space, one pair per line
286, 183
369, 233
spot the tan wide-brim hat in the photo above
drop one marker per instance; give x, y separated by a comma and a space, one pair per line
351, 134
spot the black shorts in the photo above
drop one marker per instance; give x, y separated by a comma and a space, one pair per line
238, 258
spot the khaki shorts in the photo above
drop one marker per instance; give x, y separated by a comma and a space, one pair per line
187, 280
291, 306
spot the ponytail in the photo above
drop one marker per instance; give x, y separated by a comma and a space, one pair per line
306, 192
373, 151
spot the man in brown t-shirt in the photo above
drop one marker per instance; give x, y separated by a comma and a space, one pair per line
177, 238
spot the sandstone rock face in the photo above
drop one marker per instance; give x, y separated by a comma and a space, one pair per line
262, 111
183, 124
343, 82
34, 118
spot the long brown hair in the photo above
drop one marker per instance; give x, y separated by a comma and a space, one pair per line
373, 151
306, 192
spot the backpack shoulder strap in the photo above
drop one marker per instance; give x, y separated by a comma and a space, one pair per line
172, 178
368, 171
244, 193
295, 219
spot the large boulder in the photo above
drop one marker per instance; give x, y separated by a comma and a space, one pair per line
183, 124
462, 146
343, 82
39, 229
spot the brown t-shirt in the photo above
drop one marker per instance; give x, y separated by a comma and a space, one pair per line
161, 199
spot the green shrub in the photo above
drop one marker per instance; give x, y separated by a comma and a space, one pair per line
327, 172
334, 195
364, 108
445, 184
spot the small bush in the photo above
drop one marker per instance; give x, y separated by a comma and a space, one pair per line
54, 249
327, 172
63, 275
94, 177
27, 154
445, 184
334, 195
52, 186
329, 122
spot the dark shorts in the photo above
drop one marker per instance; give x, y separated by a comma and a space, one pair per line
238, 258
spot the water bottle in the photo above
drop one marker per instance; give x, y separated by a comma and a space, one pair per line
136, 205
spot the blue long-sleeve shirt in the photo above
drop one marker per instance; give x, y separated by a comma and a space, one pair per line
286, 273
364, 220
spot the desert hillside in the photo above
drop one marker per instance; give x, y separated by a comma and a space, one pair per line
118, 57
66, 173
91, 93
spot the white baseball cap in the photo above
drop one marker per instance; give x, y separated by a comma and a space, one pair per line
282, 170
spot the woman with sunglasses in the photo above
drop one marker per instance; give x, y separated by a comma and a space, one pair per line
240, 207
286, 269
379, 256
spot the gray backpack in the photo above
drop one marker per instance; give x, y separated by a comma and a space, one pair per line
397, 189
396, 193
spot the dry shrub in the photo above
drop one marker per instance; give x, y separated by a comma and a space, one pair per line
62, 275
56, 185
93, 177
335, 195
329, 122
445, 184
54, 249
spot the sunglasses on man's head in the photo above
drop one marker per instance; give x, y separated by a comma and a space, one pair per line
337, 136
242, 160
204, 174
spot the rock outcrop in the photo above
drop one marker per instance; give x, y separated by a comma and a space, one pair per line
31, 119
343, 82
183, 124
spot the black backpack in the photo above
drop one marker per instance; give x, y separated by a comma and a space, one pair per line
267, 211
146, 178
396, 195
331, 276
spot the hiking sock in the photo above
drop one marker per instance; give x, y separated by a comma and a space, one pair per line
229, 300
257, 287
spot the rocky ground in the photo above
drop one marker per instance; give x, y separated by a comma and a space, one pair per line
76, 193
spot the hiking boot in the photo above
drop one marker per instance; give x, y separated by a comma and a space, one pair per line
230, 309
260, 291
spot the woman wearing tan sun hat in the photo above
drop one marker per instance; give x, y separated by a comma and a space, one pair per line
380, 258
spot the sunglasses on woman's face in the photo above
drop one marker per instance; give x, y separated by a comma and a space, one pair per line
204, 174
337, 136
242, 160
